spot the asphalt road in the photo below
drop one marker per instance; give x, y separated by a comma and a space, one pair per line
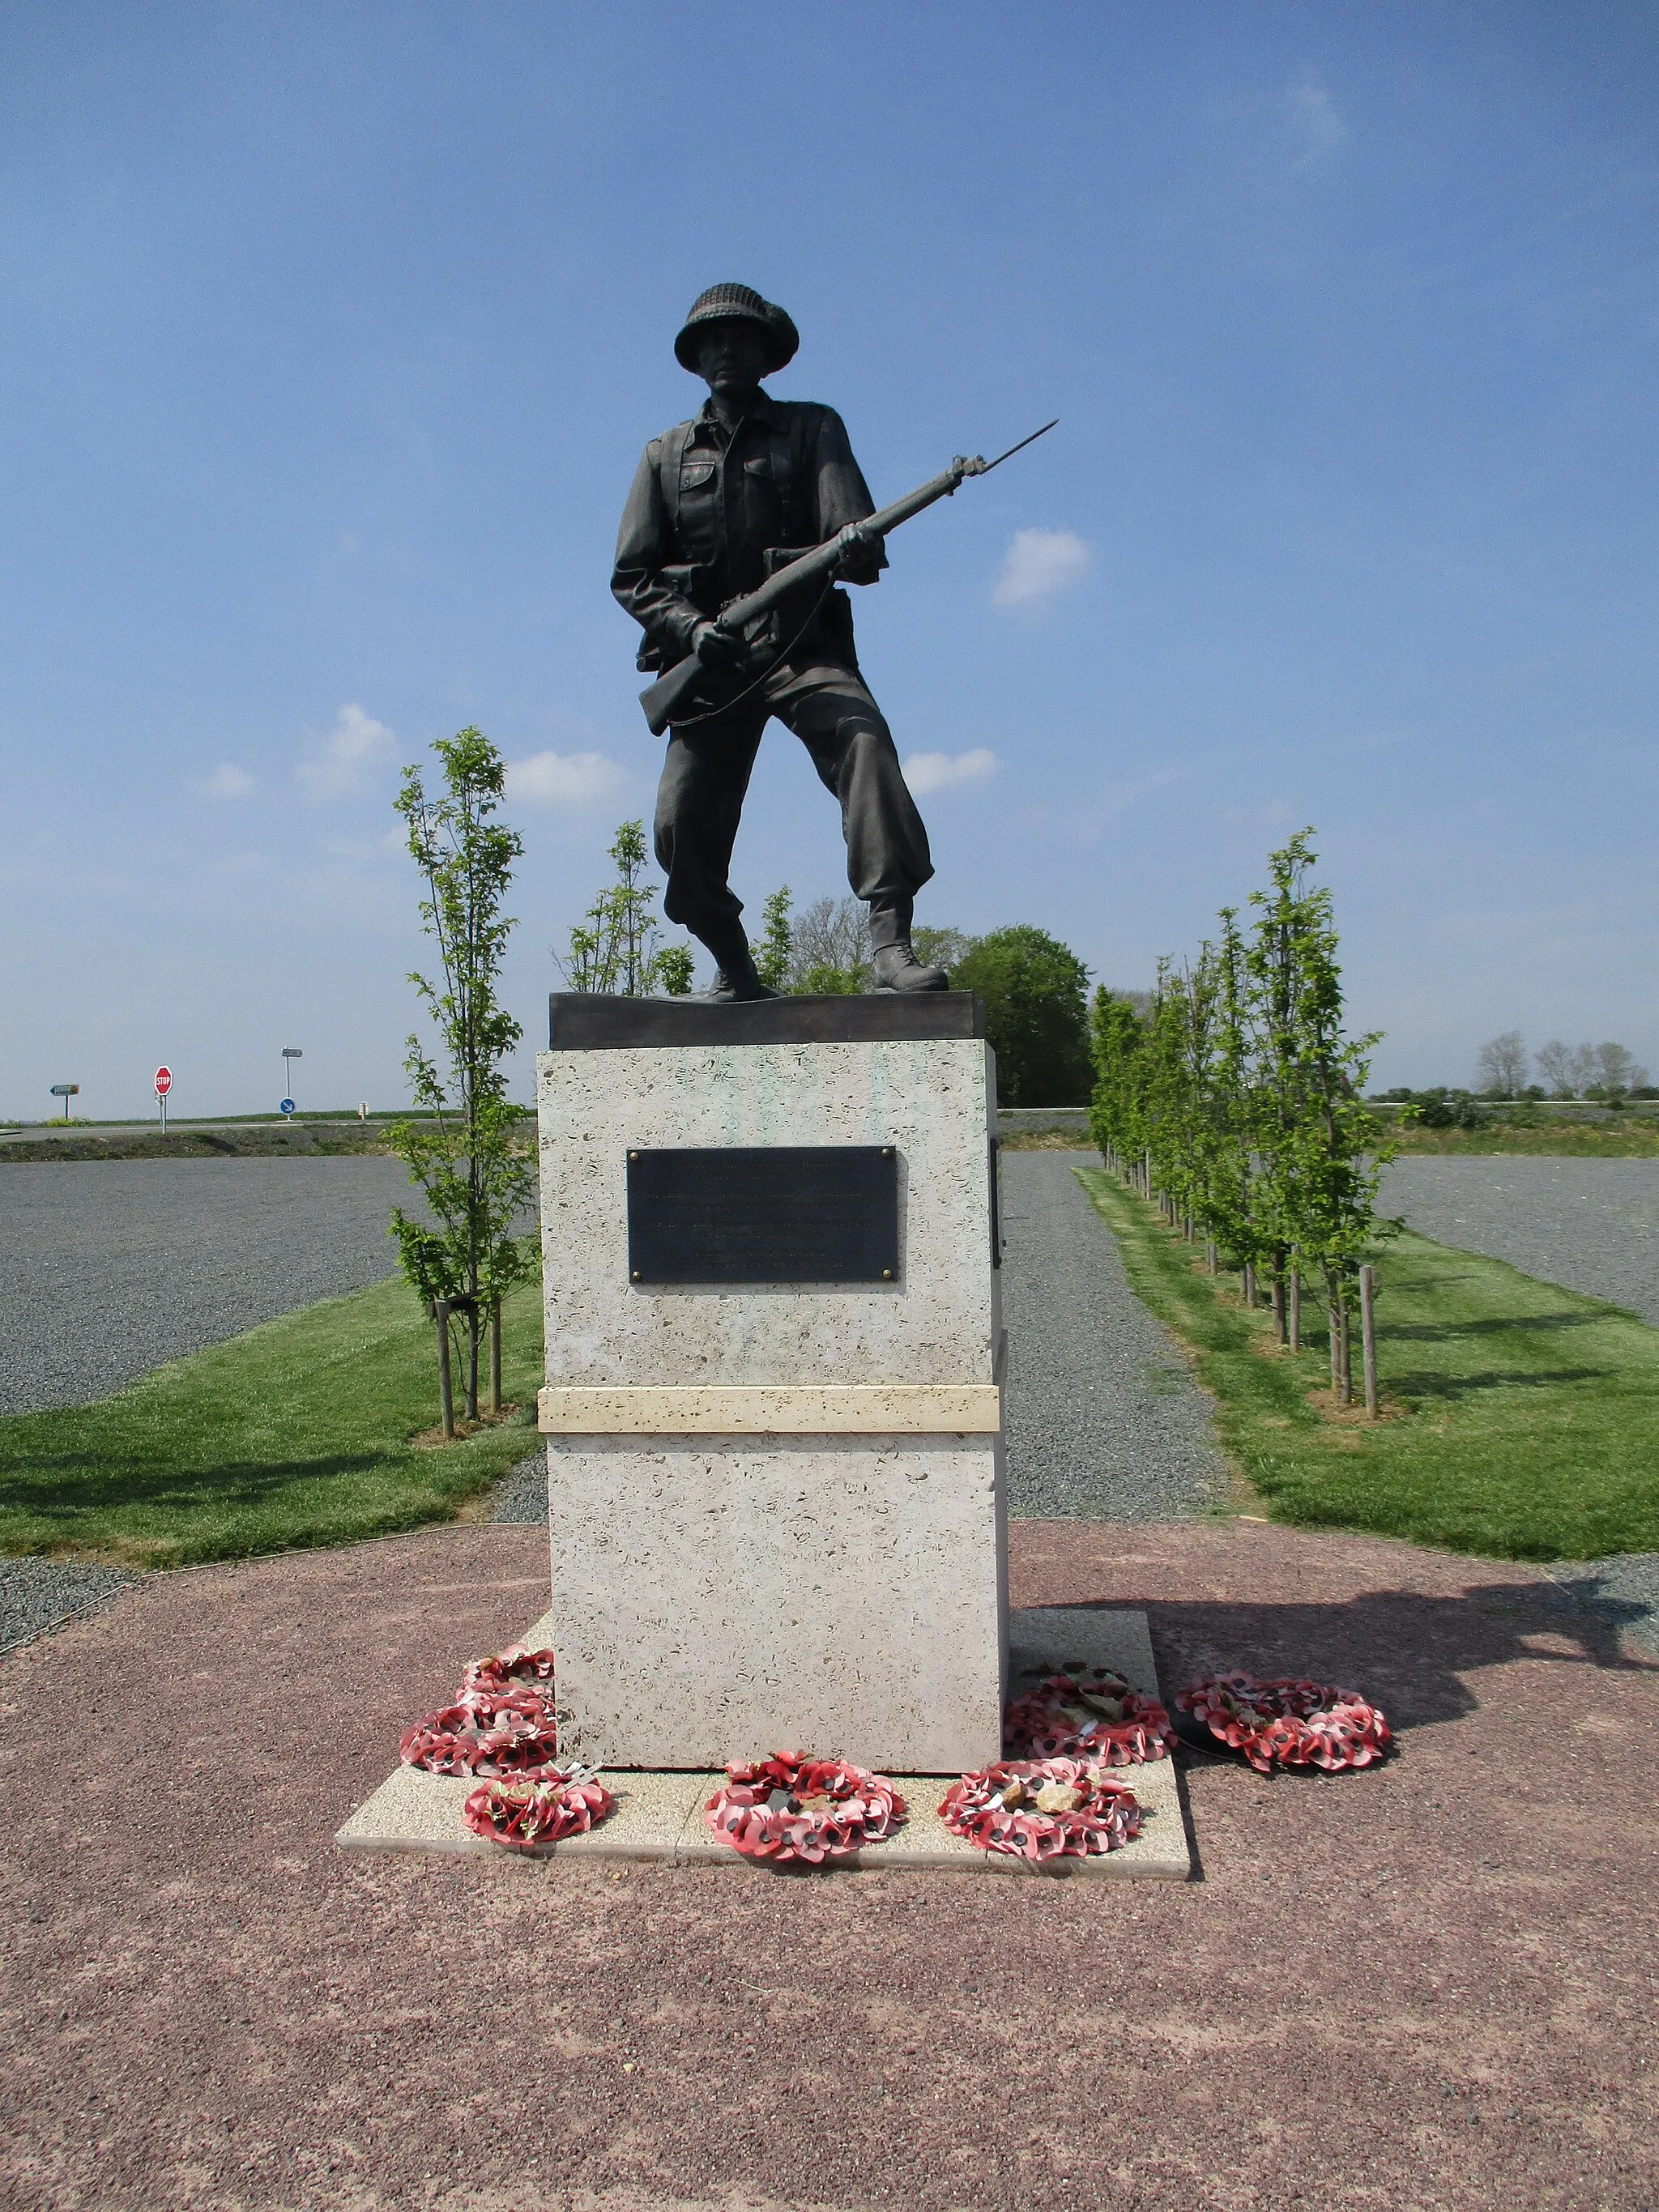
109, 1267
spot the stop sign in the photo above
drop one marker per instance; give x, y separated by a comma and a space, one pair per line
163, 1081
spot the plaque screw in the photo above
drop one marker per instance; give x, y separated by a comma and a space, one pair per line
887, 1274
887, 1151
638, 1275
633, 1155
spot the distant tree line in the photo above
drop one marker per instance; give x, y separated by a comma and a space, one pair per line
1585, 1071
1605, 1074
1232, 1100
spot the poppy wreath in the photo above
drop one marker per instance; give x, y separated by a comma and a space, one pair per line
1091, 1715
1289, 1724
502, 1721
1043, 1808
792, 1806
565, 1800
493, 1680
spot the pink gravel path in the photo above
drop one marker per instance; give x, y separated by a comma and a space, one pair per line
1429, 1986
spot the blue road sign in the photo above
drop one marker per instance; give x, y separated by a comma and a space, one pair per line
287, 1106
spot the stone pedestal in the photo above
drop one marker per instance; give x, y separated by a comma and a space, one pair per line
776, 1507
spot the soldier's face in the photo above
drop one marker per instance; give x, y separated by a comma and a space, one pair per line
732, 357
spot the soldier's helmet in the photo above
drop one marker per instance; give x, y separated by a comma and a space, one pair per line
736, 303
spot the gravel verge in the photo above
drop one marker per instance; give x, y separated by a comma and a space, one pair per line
521, 1493
1592, 1224
37, 1596
1622, 1590
1103, 1417
108, 1268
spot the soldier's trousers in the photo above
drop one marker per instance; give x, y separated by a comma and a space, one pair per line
706, 774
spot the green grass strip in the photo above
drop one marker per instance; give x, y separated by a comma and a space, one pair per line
297, 1433
1521, 1417
1636, 1140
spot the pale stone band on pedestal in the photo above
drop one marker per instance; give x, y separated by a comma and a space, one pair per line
816, 1409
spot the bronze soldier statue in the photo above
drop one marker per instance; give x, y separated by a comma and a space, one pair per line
719, 504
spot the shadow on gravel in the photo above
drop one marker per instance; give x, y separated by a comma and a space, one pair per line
1406, 1651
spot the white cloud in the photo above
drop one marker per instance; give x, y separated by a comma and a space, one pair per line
1039, 565
353, 748
564, 779
926, 772
228, 781
1316, 127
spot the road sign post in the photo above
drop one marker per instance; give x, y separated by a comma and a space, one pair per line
163, 1085
290, 1054
66, 1092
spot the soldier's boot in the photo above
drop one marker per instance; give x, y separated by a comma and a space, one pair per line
898, 968
737, 979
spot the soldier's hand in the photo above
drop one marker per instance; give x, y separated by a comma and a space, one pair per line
714, 648
852, 544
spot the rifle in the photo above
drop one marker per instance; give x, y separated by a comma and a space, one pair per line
664, 700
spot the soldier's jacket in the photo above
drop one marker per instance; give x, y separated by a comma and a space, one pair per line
706, 520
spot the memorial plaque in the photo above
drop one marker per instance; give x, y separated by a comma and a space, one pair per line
774, 1213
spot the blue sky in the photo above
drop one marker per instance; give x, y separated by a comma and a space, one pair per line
329, 337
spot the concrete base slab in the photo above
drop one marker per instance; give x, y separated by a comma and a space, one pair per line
659, 1815
414, 1811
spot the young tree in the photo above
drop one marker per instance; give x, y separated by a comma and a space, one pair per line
1177, 1072
467, 1158
1281, 1107
1502, 1070
1117, 1034
1235, 1097
1338, 1154
775, 955
614, 948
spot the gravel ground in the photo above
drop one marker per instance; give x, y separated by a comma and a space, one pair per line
36, 1595
1429, 1986
1103, 1417
109, 1267
1624, 1589
1592, 1224
521, 1493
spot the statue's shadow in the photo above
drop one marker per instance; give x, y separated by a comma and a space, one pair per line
1409, 1651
